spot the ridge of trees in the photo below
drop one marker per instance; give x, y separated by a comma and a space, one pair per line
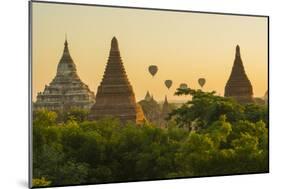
208, 135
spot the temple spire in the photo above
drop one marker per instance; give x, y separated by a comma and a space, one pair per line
166, 101
114, 49
65, 41
115, 95
238, 85
165, 109
66, 64
114, 44
115, 71
237, 51
67, 88
147, 96
66, 47
165, 104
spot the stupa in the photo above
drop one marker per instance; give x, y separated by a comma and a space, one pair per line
66, 90
238, 85
147, 96
165, 109
150, 108
115, 96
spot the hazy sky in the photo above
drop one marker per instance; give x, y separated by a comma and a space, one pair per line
184, 46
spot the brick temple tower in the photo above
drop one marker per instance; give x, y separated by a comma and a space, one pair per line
238, 85
115, 96
165, 109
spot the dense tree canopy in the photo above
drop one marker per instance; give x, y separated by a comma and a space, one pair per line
209, 135
206, 107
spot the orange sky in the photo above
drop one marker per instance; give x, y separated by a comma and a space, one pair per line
185, 46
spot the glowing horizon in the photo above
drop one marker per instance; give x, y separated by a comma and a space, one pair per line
185, 46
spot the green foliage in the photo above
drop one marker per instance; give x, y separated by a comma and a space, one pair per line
74, 114
172, 106
44, 117
106, 150
40, 182
219, 131
209, 135
206, 107
255, 113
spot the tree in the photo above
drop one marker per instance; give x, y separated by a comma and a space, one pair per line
256, 112
39, 182
44, 118
209, 135
206, 107
76, 114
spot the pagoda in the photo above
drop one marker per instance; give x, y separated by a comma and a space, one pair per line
165, 109
150, 107
66, 91
238, 85
147, 96
115, 96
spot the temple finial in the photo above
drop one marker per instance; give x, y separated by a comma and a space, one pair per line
65, 50
65, 42
237, 50
147, 96
114, 44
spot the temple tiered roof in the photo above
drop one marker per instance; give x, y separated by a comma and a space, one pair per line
115, 96
238, 85
165, 109
66, 90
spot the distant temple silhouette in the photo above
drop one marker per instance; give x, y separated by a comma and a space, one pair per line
147, 96
115, 96
66, 90
165, 109
238, 85
150, 108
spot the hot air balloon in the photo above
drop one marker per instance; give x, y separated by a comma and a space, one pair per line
202, 81
168, 83
183, 86
152, 69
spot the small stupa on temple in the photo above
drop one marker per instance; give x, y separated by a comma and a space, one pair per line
115, 96
165, 109
238, 85
147, 96
66, 90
